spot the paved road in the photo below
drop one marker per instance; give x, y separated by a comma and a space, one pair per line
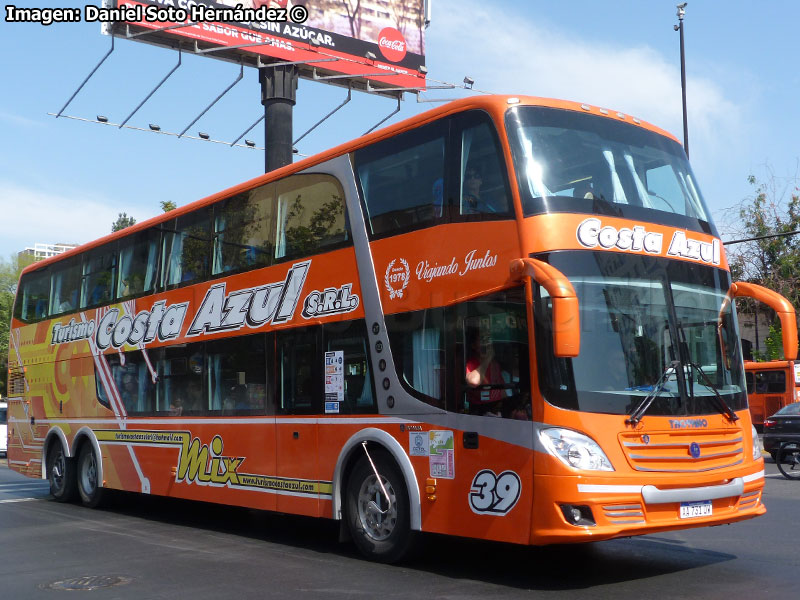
161, 548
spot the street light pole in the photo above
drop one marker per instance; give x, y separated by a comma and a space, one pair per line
679, 27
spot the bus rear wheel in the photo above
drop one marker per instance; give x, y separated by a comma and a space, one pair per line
379, 525
92, 494
60, 473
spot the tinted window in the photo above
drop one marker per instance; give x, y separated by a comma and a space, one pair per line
186, 250
244, 231
237, 376
132, 382
770, 382
790, 409
569, 161
66, 287
179, 389
483, 187
299, 370
348, 381
418, 348
97, 283
138, 263
33, 297
226, 376
471, 357
402, 179
310, 216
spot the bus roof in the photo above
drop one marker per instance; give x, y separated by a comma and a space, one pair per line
496, 105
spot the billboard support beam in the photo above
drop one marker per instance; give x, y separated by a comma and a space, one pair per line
88, 77
227, 89
278, 95
387, 117
167, 76
326, 117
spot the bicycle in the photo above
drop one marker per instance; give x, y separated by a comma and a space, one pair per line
788, 460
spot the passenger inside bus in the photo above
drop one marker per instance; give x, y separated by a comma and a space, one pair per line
472, 201
483, 370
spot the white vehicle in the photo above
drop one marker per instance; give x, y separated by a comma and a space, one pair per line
3, 428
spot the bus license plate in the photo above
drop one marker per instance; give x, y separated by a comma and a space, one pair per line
690, 510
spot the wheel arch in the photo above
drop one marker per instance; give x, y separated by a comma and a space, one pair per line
86, 436
55, 436
350, 453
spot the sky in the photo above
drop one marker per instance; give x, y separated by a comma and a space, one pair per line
65, 180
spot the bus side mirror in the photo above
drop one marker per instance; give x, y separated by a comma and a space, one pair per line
780, 305
566, 314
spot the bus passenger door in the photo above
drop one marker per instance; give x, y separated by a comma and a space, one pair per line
299, 398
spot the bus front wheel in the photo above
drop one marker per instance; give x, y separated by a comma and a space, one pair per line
92, 494
378, 515
60, 473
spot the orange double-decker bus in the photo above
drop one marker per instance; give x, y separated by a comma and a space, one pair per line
506, 318
773, 384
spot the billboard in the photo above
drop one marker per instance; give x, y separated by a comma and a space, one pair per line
336, 41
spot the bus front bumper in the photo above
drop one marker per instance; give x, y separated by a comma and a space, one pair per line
579, 509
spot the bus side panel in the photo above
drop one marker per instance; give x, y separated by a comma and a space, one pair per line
489, 495
484, 492
298, 464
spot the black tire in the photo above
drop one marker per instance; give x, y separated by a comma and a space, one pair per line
87, 476
386, 537
60, 473
788, 460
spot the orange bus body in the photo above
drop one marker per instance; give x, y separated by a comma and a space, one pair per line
461, 471
771, 385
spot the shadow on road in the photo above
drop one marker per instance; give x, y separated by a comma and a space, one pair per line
543, 568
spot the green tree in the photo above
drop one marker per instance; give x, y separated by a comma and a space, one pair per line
9, 276
168, 205
123, 221
771, 214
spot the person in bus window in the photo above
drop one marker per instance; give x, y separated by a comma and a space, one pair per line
176, 406
472, 200
482, 369
130, 391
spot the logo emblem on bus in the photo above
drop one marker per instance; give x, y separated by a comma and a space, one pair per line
397, 278
694, 450
645, 439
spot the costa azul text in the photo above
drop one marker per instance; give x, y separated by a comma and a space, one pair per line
218, 311
592, 233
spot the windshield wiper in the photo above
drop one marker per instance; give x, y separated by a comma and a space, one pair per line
720, 403
641, 408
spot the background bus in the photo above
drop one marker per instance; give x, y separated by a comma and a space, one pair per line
506, 318
773, 384
3, 427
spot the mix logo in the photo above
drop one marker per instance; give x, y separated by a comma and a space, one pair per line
205, 464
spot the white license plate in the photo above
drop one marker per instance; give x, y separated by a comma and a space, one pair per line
690, 510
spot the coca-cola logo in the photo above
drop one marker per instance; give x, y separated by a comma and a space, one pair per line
392, 44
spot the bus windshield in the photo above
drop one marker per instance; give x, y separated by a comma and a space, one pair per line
569, 161
640, 318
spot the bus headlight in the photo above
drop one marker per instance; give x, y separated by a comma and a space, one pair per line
756, 443
575, 449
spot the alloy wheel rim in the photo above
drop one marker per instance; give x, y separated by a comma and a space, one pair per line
89, 474
378, 517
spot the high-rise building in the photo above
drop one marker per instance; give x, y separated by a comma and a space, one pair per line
42, 251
